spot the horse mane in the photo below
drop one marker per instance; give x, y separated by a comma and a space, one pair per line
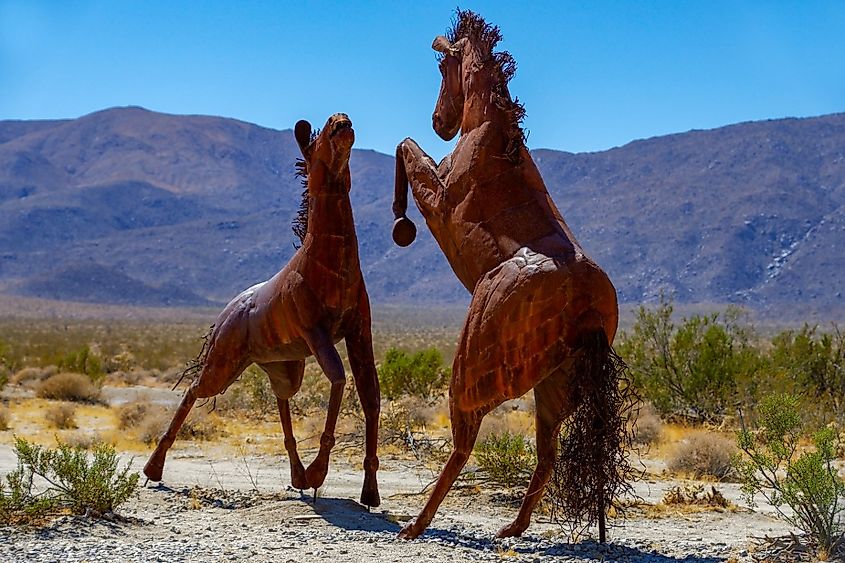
484, 37
299, 225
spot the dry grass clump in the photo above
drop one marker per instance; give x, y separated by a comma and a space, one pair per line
688, 499
697, 495
251, 395
648, 428
703, 454
68, 386
4, 418
152, 427
83, 440
30, 377
61, 416
200, 426
133, 415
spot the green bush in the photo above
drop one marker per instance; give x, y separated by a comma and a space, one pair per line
506, 459
694, 370
807, 483
82, 361
420, 375
83, 484
812, 364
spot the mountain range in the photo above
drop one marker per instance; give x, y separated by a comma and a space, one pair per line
131, 206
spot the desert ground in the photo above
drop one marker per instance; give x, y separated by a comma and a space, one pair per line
230, 500
226, 494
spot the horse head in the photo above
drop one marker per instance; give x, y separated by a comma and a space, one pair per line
326, 152
449, 109
474, 88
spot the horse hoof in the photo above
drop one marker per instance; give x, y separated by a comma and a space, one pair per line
404, 231
370, 499
299, 482
153, 470
316, 474
511, 530
410, 531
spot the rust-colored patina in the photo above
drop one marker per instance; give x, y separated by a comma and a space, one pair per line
543, 314
316, 300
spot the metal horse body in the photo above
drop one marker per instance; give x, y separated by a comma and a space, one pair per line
316, 300
536, 295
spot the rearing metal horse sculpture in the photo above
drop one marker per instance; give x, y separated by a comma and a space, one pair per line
317, 299
542, 314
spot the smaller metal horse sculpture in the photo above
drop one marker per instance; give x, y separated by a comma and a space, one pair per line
542, 316
317, 299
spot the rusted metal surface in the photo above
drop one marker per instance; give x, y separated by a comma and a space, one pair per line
316, 300
536, 295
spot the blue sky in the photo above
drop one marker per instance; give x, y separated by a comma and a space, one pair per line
592, 74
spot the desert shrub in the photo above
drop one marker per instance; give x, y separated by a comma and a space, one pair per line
812, 364
403, 422
648, 427
703, 454
84, 484
152, 427
313, 394
83, 440
5, 364
61, 416
66, 386
132, 415
693, 370
251, 394
695, 495
31, 376
807, 483
4, 418
505, 460
420, 375
83, 361
199, 426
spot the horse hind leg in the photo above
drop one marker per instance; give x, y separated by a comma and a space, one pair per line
332, 366
553, 406
465, 427
286, 379
214, 378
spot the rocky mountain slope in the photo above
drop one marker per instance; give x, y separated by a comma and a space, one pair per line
132, 206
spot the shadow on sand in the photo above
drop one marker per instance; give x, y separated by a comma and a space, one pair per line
349, 515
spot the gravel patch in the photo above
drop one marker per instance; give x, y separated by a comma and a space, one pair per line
209, 510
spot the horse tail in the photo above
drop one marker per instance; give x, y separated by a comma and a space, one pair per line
593, 469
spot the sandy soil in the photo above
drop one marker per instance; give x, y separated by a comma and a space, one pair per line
212, 506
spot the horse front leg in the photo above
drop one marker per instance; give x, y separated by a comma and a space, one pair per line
285, 380
359, 345
331, 364
414, 166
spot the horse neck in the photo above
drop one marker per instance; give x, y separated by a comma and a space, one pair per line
330, 221
481, 106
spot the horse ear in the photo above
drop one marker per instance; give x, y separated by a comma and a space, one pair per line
302, 132
442, 45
